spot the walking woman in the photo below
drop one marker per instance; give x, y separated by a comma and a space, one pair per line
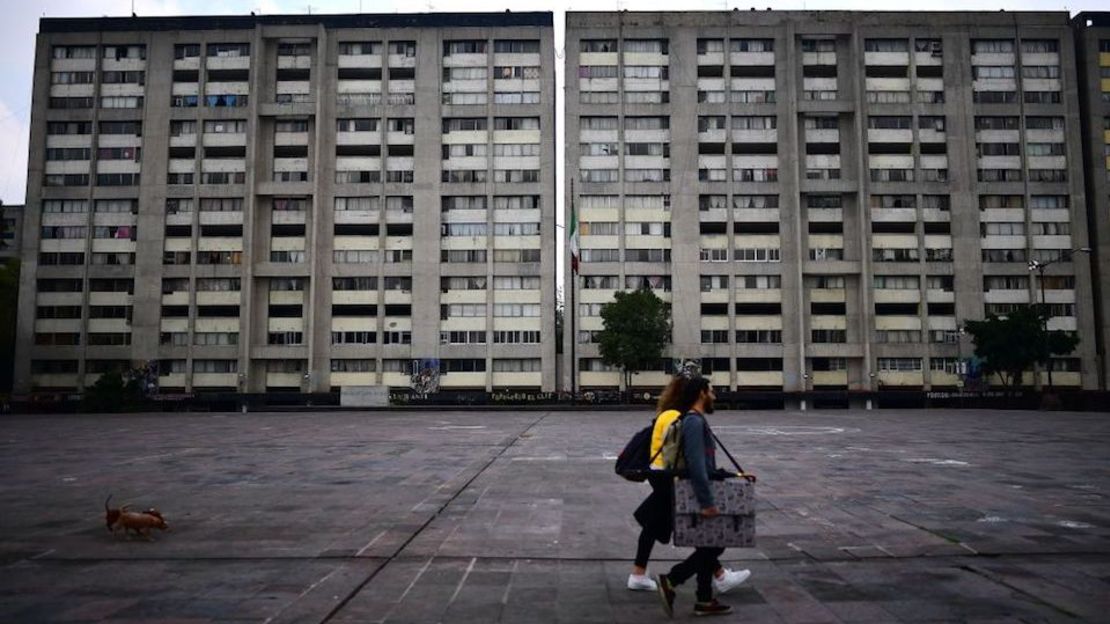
656, 513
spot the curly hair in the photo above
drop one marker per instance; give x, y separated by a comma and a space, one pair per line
668, 399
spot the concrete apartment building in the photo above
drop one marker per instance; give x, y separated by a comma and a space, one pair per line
292, 203
825, 197
1092, 37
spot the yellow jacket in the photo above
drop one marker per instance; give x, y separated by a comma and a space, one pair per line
662, 422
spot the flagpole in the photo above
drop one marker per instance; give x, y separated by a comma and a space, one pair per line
571, 311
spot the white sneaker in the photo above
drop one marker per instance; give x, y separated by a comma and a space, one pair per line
641, 582
730, 580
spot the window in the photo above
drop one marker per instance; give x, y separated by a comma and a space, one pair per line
657, 46
72, 77
516, 46
121, 102
818, 45
992, 46
353, 366
130, 206
68, 153
354, 337
215, 366
755, 336
752, 45
886, 45
1040, 46
1048, 202
74, 52
597, 45
516, 337
755, 201
516, 123
979, 72
68, 127
516, 149
516, 229
517, 365
1044, 123
120, 52
897, 282
228, 50
600, 282
225, 284
758, 282
464, 47
598, 123
899, 364
757, 255
890, 254
221, 204
179, 128
830, 336
1004, 255
653, 72
935, 202
123, 77
647, 123
756, 122
893, 201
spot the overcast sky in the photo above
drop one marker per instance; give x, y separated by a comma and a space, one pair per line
20, 24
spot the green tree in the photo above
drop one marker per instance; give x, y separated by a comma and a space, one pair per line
1010, 345
9, 295
637, 327
115, 392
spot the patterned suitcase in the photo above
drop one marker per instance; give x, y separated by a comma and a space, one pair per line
734, 528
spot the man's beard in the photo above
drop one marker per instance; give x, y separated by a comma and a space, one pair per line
709, 406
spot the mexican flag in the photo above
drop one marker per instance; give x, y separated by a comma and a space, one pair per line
573, 231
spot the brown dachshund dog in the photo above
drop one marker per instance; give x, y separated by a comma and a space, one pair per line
141, 522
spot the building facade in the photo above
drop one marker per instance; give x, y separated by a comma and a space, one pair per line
1092, 39
826, 197
293, 203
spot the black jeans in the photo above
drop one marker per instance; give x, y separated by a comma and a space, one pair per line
703, 563
643, 548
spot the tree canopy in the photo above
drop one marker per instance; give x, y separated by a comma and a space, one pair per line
1010, 345
637, 327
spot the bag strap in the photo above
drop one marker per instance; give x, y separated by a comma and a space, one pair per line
730, 457
655, 456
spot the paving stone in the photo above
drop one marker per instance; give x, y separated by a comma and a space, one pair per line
884, 516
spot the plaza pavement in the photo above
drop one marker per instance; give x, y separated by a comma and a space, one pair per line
471, 517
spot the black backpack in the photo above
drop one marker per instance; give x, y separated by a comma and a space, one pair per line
634, 462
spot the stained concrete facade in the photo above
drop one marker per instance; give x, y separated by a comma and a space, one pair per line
843, 190
1092, 34
225, 260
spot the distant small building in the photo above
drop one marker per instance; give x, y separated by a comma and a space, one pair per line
12, 231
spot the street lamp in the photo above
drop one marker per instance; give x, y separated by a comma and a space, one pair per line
1039, 267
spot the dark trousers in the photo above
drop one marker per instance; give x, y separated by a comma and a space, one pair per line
703, 563
643, 548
